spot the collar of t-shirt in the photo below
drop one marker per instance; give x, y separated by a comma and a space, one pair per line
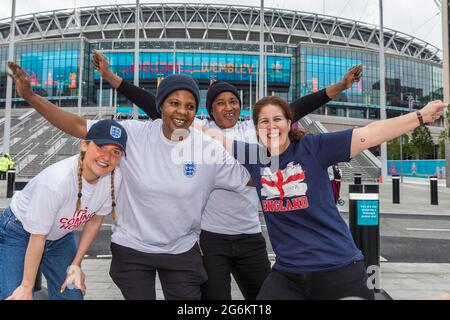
170, 142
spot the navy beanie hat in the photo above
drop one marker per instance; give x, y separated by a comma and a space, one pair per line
173, 83
217, 88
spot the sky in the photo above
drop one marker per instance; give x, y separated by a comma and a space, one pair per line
419, 18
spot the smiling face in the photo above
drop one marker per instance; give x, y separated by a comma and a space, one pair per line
99, 161
273, 129
226, 110
178, 112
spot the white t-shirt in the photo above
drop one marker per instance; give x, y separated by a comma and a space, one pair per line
46, 206
229, 212
166, 186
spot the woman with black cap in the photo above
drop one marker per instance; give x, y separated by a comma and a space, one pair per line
167, 181
231, 238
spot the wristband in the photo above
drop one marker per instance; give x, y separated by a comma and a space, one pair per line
419, 116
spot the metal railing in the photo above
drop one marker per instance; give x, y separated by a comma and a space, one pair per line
365, 162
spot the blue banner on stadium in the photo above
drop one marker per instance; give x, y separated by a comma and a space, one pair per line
202, 66
418, 168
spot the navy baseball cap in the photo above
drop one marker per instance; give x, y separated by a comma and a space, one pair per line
108, 132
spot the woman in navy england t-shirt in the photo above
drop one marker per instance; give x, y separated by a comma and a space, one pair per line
316, 257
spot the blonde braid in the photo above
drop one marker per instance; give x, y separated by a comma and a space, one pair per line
80, 180
113, 197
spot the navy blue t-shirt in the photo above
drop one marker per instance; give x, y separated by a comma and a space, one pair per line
305, 228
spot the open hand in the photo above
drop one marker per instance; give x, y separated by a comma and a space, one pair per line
100, 63
75, 279
21, 293
21, 79
352, 76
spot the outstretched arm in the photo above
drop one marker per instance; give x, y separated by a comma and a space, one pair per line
63, 120
216, 135
385, 130
140, 97
307, 104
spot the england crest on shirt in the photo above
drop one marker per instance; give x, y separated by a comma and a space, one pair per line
189, 169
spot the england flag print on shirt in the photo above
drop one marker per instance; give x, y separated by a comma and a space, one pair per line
288, 186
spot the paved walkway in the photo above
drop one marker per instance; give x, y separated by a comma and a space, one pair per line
402, 281
414, 199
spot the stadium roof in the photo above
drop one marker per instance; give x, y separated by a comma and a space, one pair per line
208, 22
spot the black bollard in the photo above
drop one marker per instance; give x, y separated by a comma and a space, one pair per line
358, 178
10, 183
38, 282
434, 190
364, 221
395, 188
39, 292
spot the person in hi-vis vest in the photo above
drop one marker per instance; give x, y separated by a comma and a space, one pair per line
4, 166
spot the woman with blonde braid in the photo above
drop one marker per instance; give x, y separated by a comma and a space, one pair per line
36, 230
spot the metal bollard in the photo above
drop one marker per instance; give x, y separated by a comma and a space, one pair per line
364, 221
434, 190
38, 282
10, 183
395, 188
358, 178
39, 293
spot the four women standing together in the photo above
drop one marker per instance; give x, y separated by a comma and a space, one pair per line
182, 193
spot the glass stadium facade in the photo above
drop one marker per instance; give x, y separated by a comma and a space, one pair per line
304, 53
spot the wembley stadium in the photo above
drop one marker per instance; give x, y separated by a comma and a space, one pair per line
305, 52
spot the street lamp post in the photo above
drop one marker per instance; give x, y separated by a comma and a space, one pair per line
60, 86
401, 158
136, 57
250, 96
100, 100
383, 150
7, 125
261, 52
80, 76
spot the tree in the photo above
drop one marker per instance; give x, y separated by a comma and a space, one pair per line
448, 122
445, 135
422, 143
442, 139
394, 149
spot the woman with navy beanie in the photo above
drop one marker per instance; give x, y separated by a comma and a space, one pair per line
168, 177
231, 238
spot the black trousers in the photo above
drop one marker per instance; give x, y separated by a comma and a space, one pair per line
244, 256
134, 272
347, 282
